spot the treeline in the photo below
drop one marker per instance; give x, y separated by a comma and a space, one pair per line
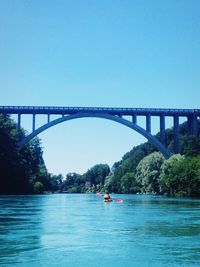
22, 171
144, 170
90, 182
177, 176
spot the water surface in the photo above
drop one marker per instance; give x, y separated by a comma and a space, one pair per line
81, 230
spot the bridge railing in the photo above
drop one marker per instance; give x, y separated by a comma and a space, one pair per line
111, 110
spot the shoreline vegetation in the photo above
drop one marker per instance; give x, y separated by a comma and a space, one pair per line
143, 170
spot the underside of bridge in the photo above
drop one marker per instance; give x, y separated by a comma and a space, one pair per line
113, 114
165, 151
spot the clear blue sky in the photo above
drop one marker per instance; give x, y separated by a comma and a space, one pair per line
130, 53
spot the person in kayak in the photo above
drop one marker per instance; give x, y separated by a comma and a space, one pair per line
107, 197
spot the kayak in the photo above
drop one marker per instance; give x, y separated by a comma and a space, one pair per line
108, 200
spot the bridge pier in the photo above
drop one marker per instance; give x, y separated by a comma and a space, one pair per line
162, 130
148, 123
19, 122
193, 125
176, 134
134, 119
33, 126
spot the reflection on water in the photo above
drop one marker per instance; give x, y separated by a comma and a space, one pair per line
82, 230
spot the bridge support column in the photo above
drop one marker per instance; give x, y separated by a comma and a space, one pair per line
162, 130
48, 118
5, 116
33, 126
134, 119
19, 122
148, 123
176, 134
193, 125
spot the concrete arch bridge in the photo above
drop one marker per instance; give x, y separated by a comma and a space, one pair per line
124, 116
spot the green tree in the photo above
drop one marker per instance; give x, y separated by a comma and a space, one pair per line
20, 170
38, 187
168, 180
109, 184
148, 171
96, 176
190, 145
180, 176
74, 182
129, 183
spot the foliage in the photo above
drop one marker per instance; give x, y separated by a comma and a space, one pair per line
180, 176
190, 145
38, 187
129, 183
91, 181
148, 171
74, 183
142, 169
21, 171
109, 182
135, 173
167, 174
96, 175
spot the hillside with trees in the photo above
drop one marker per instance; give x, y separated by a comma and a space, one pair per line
90, 182
142, 170
22, 171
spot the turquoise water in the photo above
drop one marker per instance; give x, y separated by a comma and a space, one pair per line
82, 230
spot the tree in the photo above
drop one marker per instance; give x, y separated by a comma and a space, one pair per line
21, 171
129, 183
96, 175
190, 145
38, 187
109, 184
168, 180
148, 171
74, 182
180, 177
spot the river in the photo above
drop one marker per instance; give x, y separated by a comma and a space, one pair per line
80, 230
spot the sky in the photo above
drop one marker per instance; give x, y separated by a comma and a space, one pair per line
105, 53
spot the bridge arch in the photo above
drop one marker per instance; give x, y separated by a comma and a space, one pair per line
165, 151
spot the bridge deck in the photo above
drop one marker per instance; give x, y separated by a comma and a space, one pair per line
109, 110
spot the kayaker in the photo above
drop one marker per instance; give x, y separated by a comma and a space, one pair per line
107, 197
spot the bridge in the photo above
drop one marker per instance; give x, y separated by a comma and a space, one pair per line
125, 116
